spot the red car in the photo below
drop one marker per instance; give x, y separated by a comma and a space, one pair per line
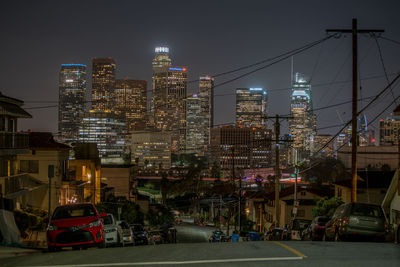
76, 225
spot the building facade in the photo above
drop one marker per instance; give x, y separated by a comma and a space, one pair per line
389, 131
206, 94
151, 150
195, 126
130, 98
169, 93
106, 130
319, 141
103, 83
251, 107
302, 126
71, 100
240, 147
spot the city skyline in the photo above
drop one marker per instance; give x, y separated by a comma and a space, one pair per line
327, 63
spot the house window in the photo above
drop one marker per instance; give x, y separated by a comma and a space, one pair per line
339, 192
29, 166
301, 213
303, 193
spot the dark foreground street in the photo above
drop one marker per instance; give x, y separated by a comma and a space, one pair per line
318, 254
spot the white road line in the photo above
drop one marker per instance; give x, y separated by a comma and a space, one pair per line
177, 262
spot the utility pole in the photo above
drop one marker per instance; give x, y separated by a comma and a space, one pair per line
50, 174
354, 136
277, 162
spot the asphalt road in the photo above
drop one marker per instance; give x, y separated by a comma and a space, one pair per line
261, 253
187, 233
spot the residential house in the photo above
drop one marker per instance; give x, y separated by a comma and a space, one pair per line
260, 206
12, 143
44, 152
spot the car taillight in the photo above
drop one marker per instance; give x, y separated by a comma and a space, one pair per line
95, 223
346, 220
52, 227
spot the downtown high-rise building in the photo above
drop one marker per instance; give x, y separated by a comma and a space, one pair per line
195, 126
108, 131
389, 131
103, 83
72, 96
206, 95
169, 90
302, 125
130, 98
251, 107
161, 58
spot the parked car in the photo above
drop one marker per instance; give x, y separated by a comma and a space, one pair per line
315, 231
356, 220
218, 236
127, 233
140, 235
155, 237
298, 226
113, 232
75, 225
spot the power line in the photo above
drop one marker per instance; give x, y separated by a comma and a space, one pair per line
362, 110
383, 63
390, 40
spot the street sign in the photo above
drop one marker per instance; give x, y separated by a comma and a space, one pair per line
296, 203
294, 210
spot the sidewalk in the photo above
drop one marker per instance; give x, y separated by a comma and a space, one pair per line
6, 252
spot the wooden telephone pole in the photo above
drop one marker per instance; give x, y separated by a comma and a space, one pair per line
277, 127
354, 140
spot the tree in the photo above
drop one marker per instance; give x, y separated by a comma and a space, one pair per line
324, 170
326, 207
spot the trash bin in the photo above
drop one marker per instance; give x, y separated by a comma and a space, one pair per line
235, 238
253, 236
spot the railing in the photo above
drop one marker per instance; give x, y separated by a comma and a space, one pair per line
12, 140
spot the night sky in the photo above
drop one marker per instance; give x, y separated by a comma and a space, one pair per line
207, 37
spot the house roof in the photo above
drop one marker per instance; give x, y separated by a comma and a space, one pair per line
288, 191
12, 109
370, 179
45, 141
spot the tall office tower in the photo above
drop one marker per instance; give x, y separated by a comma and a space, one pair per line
130, 97
103, 82
106, 130
389, 131
169, 94
302, 125
206, 94
161, 59
71, 98
320, 140
195, 126
242, 147
251, 107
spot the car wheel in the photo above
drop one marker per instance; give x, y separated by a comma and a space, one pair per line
337, 236
102, 244
324, 237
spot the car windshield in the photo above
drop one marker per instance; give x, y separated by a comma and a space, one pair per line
366, 210
107, 219
137, 228
124, 225
300, 224
322, 220
65, 212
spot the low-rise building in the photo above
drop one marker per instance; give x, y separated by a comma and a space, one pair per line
370, 156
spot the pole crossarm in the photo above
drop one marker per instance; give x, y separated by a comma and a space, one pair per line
358, 31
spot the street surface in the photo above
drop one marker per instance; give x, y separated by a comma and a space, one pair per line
261, 253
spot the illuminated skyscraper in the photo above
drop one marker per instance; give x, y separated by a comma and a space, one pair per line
302, 126
168, 100
72, 95
103, 82
161, 59
251, 107
106, 130
195, 126
130, 98
206, 95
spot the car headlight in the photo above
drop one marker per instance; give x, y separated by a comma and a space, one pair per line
52, 227
95, 223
